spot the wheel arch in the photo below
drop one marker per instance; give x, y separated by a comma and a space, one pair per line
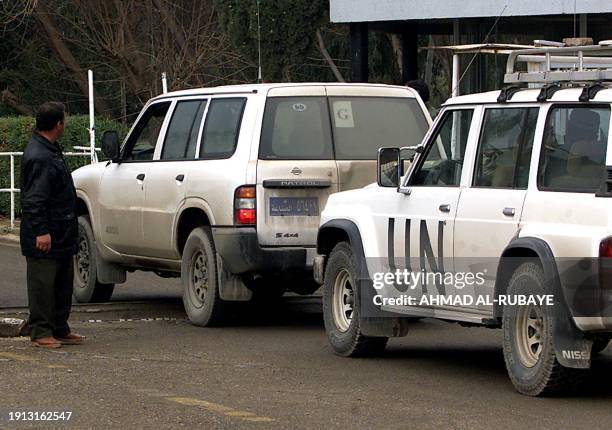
190, 217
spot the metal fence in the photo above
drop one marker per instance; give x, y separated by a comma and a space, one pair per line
13, 190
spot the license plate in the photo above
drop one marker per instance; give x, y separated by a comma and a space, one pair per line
294, 206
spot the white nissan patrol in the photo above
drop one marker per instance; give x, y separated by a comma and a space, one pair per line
223, 186
504, 219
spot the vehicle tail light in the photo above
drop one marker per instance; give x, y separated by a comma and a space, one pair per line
605, 263
245, 205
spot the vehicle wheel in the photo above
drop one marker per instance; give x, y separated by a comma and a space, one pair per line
529, 337
599, 345
87, 288
199, 278
341, 307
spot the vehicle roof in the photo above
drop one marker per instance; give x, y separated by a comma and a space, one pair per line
567, 95
264, 88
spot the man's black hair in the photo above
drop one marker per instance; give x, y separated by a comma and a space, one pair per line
421, 87
49, 114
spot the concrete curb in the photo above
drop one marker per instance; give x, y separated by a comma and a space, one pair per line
11, 327
9, 238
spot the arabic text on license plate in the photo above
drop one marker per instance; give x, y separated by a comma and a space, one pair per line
294, 206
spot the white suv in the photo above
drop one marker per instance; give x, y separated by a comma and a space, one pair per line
223, 186
504, 219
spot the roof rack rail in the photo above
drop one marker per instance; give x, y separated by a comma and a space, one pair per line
576, 64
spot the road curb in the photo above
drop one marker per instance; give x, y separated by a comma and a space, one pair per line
11, 327
9, 238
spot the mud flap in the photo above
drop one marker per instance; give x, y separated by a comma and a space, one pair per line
231, 287
572, 348
372, 320
109, 273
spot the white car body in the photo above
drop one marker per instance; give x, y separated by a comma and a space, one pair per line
482, 221
143, 207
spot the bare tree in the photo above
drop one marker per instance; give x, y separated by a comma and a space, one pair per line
128, 44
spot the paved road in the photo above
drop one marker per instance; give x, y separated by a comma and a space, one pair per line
272, 368
140, 285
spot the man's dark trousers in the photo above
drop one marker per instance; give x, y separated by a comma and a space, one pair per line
49, 296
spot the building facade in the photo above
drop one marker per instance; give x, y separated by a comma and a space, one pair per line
466, 21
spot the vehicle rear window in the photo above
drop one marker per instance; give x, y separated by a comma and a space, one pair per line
301, 127
296, 128
362, 125
574, 148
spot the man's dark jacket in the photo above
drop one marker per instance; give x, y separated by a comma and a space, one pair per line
48, 200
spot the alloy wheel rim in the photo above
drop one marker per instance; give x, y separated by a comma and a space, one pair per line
530, 334
82, 260
343, 301
199, 277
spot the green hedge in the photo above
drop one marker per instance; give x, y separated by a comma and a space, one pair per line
16, 131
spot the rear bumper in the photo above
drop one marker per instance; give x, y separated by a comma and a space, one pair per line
241, 253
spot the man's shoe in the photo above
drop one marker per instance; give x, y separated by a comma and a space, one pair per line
47, 342
71, 339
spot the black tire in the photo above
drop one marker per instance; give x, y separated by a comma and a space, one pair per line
599, 345
199, 279
344, 334
87, 288
533, 368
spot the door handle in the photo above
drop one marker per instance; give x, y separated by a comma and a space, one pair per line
508, 211
140, 177
180, 178
444, 208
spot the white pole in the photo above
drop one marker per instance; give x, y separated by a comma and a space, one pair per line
92, 126
12, 192
164, 83
456, 71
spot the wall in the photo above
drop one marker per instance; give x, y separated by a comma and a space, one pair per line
392, 10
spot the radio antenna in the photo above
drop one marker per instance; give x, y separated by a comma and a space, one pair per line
259, 74
484, 42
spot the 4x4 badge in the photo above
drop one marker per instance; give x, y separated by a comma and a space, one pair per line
296, 171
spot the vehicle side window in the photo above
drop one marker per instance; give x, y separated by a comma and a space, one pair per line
222, 128
504, 151
143, 139
574, 148
442, 162
182, 135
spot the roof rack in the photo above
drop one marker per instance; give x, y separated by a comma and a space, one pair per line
575, 64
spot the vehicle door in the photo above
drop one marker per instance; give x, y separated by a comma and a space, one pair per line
490, 208
167, 181
123, 185
296, 170
417, 222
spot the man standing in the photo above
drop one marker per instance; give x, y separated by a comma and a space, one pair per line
49, 232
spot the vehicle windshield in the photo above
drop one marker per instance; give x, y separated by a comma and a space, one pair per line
345, 128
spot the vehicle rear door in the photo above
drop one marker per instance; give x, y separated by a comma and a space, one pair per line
296, 170
490, 208
366, 118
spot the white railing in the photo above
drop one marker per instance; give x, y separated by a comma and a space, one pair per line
13, 190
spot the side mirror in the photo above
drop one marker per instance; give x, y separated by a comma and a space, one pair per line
389, 167
110, 145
